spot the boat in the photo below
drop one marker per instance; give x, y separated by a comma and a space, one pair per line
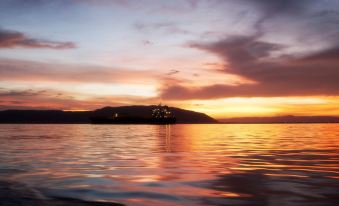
158, 115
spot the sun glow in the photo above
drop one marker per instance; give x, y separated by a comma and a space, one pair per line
241, 107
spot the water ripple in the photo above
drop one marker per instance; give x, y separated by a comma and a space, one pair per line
171, 165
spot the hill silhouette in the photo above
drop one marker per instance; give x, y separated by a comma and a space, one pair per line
83, 117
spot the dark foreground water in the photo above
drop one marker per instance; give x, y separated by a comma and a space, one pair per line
170, 165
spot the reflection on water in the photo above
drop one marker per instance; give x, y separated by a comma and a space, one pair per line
177, 164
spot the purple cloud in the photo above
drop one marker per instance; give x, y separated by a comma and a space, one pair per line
12, 39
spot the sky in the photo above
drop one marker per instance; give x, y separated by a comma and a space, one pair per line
226, 58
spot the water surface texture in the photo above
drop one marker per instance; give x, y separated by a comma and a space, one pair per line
272, 164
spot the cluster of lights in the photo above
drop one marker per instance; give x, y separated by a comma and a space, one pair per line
161, 112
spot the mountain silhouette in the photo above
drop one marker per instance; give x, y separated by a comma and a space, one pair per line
82, 117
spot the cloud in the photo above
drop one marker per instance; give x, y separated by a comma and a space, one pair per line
293, 51
37, 99
54, 99
167, 27
36, 3
172, 72
304, 20
246, 56
147, 42
12, 39
20, 77
269, 9
21, 93
30, 71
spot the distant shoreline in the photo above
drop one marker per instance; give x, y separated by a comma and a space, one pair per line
182, 116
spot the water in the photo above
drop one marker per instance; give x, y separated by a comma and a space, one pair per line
176, 165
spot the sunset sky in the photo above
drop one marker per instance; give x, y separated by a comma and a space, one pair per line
226, 58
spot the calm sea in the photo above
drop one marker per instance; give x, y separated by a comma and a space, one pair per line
271, 164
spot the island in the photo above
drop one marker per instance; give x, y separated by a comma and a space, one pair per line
160, 114
182, 116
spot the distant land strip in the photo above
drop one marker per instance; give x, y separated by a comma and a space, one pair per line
183, 116
83, 117
281, 120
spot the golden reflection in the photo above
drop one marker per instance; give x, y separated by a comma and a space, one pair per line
146, 178
168, 138
240, 144
286, 175
232, 194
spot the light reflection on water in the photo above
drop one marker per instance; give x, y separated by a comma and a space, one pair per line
178, 164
